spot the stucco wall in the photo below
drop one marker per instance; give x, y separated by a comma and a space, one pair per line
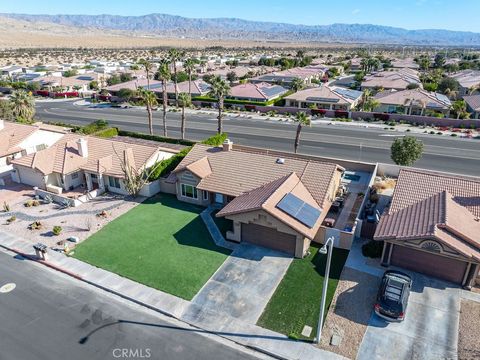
186, 177
30, 177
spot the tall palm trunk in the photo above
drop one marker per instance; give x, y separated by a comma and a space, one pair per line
150, 118
220, 120
183, 122
190, 83
148, 79
297, 138
176, 84
165, 101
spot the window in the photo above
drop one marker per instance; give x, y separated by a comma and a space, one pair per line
114, 182
205, 195
75, 175
94, 176
189, 191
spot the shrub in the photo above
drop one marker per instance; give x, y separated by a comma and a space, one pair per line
155, 138
372, 249
36, 225
166, 166
6, 207
30, 203
11, 219
94, 127
341, 114
107, 133
57, 230
215, 140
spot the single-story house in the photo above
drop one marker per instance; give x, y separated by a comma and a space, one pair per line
134, 84
325, 97
84, 163
196, 87
413, 102
285, 77
468, 79
398, 79
275, 202
9, 71
73, 83
405, 63
473, 105
17, 140
262, 92
433, 226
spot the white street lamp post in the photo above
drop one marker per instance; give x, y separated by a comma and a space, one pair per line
324, 250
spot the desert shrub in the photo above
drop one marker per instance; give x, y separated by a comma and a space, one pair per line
215, 140
372, 249
36, 225
11, 219
57, 230
6, 207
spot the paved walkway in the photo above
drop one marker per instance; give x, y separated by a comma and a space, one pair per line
234, 329
213, 229
243, 285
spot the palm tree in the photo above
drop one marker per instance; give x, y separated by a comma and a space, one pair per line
473, 89
297, 84
366, 95
302, 119
150, 100
164, 75
148, 67
460, 108
22, 105
189, 66
408, 103
185, 101
219, 89
452, 94
174, 55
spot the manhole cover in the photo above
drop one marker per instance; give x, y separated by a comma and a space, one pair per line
7, 288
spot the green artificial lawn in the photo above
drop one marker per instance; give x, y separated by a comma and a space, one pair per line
296, 301
162, 243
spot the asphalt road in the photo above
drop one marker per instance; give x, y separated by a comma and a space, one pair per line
340, 141
49, 316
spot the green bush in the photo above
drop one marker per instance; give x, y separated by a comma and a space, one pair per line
94, 127
155, 138
107, 133
166, 166
215, 140
372, 249
57, 230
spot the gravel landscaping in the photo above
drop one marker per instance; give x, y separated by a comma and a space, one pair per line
81, 221
469, 330
350, 311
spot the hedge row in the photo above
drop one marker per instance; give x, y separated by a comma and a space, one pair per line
107, 133
215, 140
164, 167
155, 138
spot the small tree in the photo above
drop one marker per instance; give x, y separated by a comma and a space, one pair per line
184, 100
405, 151
303, 120
297, 84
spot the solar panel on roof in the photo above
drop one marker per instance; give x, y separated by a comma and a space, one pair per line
299, 210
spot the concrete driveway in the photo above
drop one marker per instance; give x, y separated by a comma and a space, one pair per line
243, 285
430, 328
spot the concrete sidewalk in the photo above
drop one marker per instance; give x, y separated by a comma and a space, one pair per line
240, 332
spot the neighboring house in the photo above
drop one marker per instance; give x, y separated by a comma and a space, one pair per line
242, 71
308, 74
10, 71
17, 140
473, 105
468, 80
78, 83
432, 226
275, 202
197, 87
135, 84
407, 63
325, 97
86, 163
398, 79
262, 92
413, 102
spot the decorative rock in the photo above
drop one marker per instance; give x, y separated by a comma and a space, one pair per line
307, 331
73, 239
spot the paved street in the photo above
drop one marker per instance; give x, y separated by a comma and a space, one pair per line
50, 316
339, 141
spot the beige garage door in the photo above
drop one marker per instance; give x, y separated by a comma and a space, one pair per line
430, 264
269, 238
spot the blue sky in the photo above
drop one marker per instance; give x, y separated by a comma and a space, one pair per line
410, 14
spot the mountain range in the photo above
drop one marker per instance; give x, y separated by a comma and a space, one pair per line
164, 25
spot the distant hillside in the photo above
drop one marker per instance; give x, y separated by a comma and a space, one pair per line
231, 29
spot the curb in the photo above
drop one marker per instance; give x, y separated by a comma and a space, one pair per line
78, 277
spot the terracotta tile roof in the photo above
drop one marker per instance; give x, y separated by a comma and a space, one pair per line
416, 97
103, 156
416, 185
261, 91
473, 102
267, 196
201, 168
326, 93
12, 135
396, 79
434, 206
244, 169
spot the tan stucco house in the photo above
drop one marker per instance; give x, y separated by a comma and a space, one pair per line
276, 202
433, 226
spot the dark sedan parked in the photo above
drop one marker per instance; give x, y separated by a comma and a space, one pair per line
392, 298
